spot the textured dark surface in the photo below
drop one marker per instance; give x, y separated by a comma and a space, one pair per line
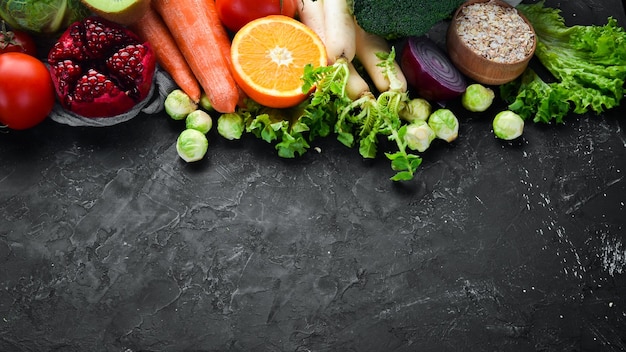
109, 242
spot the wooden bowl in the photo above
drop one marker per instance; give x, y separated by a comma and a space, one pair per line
479, 67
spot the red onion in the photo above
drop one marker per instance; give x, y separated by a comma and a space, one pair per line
429, 71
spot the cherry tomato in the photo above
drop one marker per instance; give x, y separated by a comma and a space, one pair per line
26, 91
234, 14
16, 41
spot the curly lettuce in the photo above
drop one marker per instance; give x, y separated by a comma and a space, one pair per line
329, 110
588, 65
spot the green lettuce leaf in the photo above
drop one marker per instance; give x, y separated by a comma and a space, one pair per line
588, 65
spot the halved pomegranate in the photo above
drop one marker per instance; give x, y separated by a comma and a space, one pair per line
101, 69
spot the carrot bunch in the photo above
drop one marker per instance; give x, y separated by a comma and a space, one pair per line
193, 47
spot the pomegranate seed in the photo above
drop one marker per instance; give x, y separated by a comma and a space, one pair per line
93, 85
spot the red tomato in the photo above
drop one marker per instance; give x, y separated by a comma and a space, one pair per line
26, 91
234, 14
17, 41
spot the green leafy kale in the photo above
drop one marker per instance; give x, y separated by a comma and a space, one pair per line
588, 64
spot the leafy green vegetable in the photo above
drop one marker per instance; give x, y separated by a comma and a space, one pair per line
42, 16
588, 64
291, 129
369, 117
280, 126
328, 99
329, 110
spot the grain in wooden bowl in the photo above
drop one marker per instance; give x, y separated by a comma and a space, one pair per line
490, 41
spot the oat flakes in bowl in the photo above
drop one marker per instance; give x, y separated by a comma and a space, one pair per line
490, 41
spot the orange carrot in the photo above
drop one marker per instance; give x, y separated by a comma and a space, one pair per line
203, 40
152, 29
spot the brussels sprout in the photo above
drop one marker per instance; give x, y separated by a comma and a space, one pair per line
199, 120
477, 98
416, 109
508, 125
419, 135
192, 145
445, 124
178, 104
230, 126
205, 103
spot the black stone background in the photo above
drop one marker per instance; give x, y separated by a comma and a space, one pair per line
109, 242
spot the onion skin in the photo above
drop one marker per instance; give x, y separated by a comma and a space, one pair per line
429, 71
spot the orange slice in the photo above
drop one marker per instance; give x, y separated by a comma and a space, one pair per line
269, 55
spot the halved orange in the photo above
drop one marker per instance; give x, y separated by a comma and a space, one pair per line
268, 58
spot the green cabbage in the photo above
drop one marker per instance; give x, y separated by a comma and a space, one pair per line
42, 16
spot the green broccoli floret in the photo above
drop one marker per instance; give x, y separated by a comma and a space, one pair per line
393, 19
